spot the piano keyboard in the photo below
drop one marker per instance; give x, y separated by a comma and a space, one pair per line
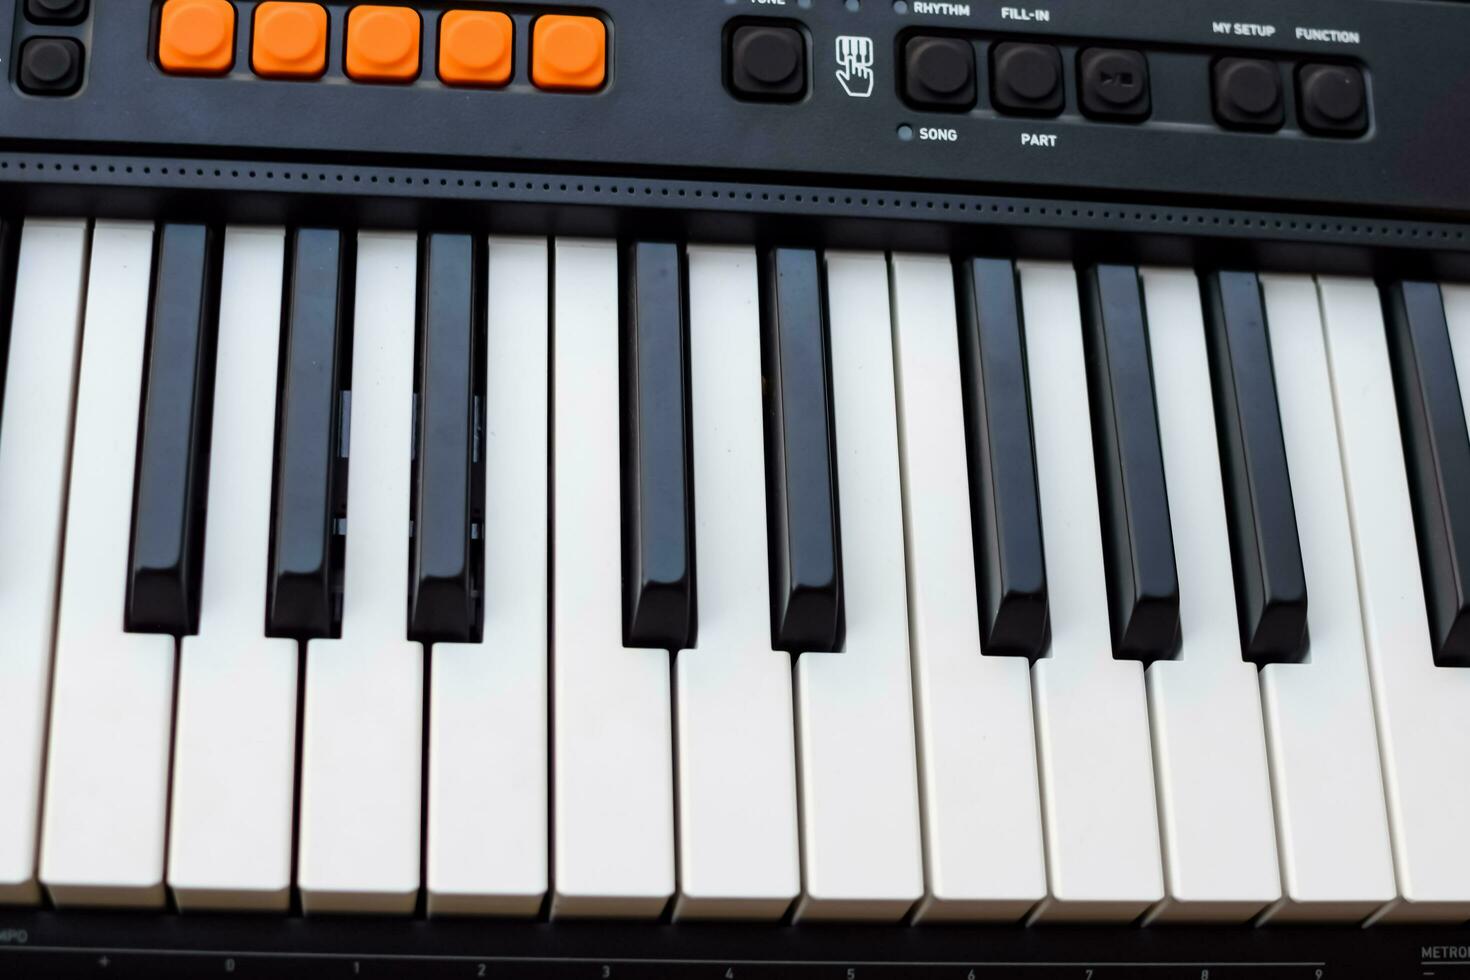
382, 572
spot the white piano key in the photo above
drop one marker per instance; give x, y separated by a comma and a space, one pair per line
1097, 779
1457, 317
230, 831
613, 822
861, 852
102, 839
487, 808
1211, 775
35, 434
981, 807
363, 714
1331, 828
736, 754
1423, 711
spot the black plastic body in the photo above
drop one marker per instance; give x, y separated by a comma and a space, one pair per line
109, 945
666, 108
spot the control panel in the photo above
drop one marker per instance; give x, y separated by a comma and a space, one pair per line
1041, 78
1303, 103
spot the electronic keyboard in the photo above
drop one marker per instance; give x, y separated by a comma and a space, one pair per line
735, 488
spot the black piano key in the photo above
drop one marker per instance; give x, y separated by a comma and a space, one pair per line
9, 264
165, 565
310, 429
442, 581
1005, 510
1265, 551
658, 504
1138, 539
804, 543
1437, 454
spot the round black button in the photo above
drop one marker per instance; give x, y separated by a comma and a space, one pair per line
1337, 93
1251, 87
1028, 71
1334, 100
1249, 94
1026, 78
939, 73
767, 56
50, 65
941, 65
767, 62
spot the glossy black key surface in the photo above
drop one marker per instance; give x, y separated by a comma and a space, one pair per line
442, 580
1437, 454
166, 561
1138, 539
1265, 551
9, 264
1005, 510
658, 500
310, 480
801, 482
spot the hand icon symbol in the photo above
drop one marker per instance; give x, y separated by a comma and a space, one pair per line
855, 65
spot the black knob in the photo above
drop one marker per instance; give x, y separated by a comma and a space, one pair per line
1334, 100
56, 11
51, 66
1028, 78
768, 62
1248, 94
939, 72
1114, 83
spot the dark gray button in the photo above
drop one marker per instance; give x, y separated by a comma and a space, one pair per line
1248, 94
1114, 84
1334, 100
56, 11
939, 72
51, 66
768, 62
1027, 78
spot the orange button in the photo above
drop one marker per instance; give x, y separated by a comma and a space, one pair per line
569, 54
383, 44
196, 37
290, 40
476, 47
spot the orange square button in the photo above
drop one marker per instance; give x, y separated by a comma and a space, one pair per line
476, 47
382, 44
196, 37
569, 53
290, 40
